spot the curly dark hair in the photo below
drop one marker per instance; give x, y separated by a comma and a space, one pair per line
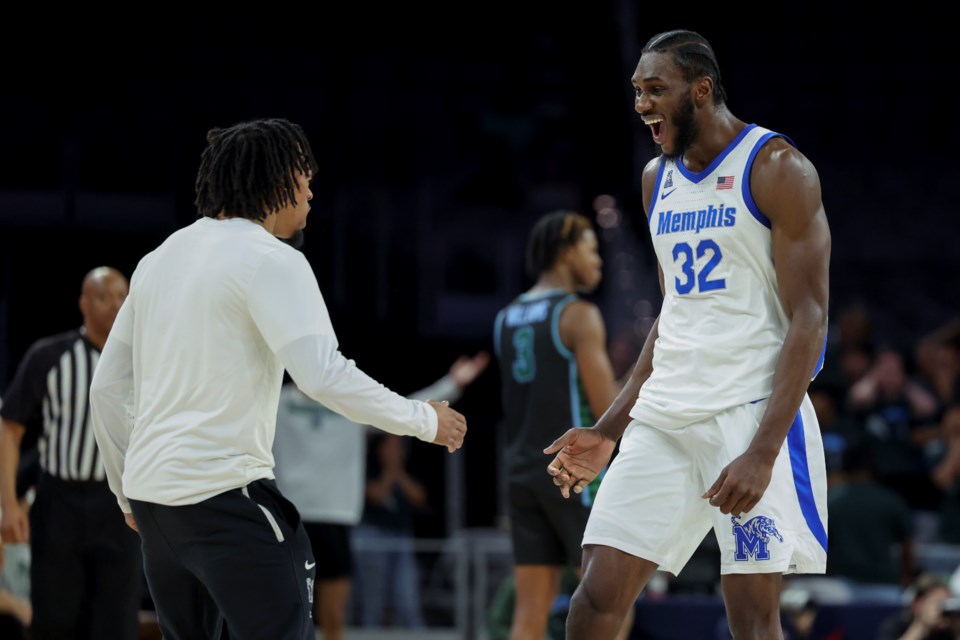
551, 233
249, 169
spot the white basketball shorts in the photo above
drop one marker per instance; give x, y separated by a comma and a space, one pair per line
649, 503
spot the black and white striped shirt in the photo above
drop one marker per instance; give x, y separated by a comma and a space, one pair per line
50, 393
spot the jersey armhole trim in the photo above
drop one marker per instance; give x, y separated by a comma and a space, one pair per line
497, 330
745, 184
656, 189
555, 326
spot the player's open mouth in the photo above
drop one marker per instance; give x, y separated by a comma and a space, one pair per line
656, 127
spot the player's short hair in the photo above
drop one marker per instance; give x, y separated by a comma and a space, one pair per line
693, 55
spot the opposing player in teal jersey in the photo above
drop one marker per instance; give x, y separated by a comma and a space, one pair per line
555, 371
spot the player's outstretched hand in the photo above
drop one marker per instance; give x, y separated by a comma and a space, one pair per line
451, 426
465, 369
581, 456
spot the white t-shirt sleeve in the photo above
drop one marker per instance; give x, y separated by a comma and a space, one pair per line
288, 308
111, 400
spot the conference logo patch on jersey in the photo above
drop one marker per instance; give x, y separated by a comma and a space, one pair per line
752, 537
667, 184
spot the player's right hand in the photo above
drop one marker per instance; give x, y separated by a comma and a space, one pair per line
15, 525
451, 426
582, 453
128, 518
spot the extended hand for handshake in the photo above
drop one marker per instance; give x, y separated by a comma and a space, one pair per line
451, 426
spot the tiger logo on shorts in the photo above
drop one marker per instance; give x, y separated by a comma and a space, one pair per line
752, 537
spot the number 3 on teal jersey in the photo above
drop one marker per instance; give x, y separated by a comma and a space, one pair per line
524, 367
702, 279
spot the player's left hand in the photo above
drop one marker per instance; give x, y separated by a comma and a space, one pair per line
741, 484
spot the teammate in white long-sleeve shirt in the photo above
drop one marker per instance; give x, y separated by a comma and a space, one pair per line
184, 399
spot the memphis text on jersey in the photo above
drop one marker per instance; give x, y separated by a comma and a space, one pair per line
709, 218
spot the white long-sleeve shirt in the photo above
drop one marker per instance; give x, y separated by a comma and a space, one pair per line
184, 398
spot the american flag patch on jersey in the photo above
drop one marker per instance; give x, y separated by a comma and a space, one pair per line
725, 182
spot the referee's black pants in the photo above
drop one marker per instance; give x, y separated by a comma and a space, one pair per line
85, 566
240, 559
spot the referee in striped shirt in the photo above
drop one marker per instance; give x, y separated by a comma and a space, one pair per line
85, 566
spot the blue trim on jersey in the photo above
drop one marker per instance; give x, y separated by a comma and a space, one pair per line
566, 353
574, 395
497, 330
745, 183
555, 326
656, 189
697, 177
796, 443
823, 354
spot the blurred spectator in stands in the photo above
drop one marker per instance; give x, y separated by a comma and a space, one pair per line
868, 522
899, 415
946, 475
836, 427
853, 329
16, 612
947, 332
388, 575
938, 366
799, 612
950, 614
923, 618
849, 348
798, 617
853, 364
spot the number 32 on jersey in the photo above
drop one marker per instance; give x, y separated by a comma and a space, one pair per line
692, 279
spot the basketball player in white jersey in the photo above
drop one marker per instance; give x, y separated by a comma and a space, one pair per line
717, 428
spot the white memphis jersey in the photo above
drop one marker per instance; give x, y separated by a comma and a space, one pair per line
722, 323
